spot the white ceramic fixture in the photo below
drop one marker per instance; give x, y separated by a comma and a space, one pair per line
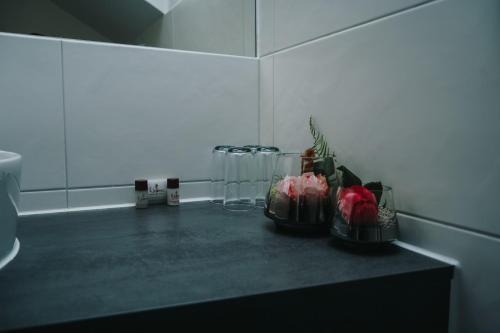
10, 178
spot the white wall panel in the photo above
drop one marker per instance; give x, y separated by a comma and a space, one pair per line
42, 201
140, 112
412, 100
265, 26
31, 108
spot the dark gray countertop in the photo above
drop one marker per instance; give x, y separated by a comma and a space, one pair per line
75, 266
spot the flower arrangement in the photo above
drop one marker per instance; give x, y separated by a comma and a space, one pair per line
308, 190
365, 213
301, 192
357, 203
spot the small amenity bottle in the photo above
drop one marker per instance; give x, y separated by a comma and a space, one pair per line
141, 193
173, 191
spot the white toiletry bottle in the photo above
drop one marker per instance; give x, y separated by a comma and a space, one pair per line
141, 192
173, 191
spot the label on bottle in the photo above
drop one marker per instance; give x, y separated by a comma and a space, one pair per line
157, 190
173, 196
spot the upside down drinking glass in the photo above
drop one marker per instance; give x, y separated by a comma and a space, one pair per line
265, 160
217, 173
239, 180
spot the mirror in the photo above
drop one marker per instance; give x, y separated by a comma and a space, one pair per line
215, 26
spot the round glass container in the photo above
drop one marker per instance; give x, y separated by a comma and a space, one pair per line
365, 216
302, 191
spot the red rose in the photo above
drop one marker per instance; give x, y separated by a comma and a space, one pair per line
357, 205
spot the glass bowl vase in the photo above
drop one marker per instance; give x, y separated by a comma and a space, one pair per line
365, 216
302, 191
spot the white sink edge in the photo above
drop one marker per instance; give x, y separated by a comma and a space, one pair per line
11, 255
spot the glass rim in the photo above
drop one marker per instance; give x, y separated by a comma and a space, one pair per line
222, 148
239, 150
268, 149
293, 154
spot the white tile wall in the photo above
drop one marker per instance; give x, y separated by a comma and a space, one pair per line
42, 201
265, 26
31, 108
475, 300
194, 191
104, 196
140, 112
131, 112
288, 22
411, 100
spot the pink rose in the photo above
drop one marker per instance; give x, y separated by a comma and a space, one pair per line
308, 183
311, 183
288, 186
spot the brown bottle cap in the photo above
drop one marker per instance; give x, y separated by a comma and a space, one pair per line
173, 183
141, 185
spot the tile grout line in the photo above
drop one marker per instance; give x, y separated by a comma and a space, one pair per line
348, 28
243, 23
274, 120
275, 125
423, 219
257, 50
99, 207
255, 23
64, 125
259, 111
104, 186
274, 24
140, 47
275, 116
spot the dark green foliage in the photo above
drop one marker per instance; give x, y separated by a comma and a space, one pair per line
326, 167
376, 188
348, 178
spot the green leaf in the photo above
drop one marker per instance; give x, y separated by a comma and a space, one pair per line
376, 188
320, 145
348, 178
324, 166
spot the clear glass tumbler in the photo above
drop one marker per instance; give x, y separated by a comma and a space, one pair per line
265, 160
217, 173
239, 180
